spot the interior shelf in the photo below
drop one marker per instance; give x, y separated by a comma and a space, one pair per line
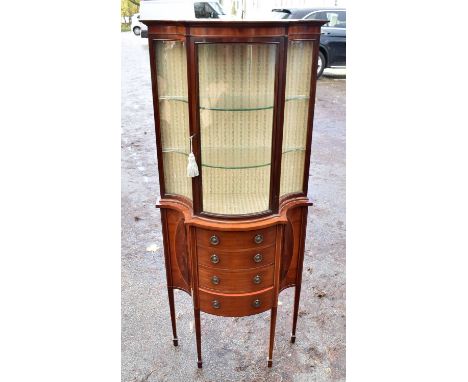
231, 101
233, 158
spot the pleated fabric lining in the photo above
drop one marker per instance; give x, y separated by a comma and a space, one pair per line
236, 95
171, 66
298, 76
236, 88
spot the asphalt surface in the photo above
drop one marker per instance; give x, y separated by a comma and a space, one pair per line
233, 349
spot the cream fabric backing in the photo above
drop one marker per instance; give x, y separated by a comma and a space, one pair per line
236, 95
298, 76
171, 66
236, 90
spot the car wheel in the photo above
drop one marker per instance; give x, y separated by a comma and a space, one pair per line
322, 63
137, 31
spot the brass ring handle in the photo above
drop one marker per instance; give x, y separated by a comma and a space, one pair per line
216, 304
257, 279
258, 239
214, 240
215, 280
258, 258
256, 303
214, 258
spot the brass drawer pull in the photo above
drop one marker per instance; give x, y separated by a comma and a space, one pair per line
216, 304
258, 239
214, 258
258, 258
257, 279
215, 280
256, 303
214, 240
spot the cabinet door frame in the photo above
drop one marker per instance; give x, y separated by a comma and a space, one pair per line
153, 40
277, 124
310, 117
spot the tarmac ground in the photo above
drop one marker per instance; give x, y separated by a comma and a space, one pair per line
233, 349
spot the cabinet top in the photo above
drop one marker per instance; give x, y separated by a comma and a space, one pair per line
239, 28
235, 23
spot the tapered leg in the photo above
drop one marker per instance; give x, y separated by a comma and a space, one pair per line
170, 292
198, 336
272, 335
297, 295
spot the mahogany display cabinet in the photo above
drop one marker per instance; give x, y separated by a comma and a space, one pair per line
233, 111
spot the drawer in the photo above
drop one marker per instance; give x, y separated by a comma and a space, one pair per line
253, 258
236, 240
235, 305
223, 280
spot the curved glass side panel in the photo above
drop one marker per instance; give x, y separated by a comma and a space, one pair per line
236, 100
171, 69
296, 110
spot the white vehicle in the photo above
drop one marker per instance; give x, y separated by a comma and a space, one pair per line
178, 10
135, 25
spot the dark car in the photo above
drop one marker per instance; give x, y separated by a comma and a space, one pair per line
333, 39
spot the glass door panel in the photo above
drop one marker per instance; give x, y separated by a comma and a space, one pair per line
236, 100
171, 69
296, 111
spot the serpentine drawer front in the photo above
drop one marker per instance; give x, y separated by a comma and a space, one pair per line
234, 305
245, 259
233, 110
229, 281
236, 240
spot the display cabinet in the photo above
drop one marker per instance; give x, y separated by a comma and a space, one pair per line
233, 110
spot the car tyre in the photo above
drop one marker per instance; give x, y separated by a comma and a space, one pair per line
137, 31
322, 63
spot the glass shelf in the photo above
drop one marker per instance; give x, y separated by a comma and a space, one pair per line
231, 101
235, 158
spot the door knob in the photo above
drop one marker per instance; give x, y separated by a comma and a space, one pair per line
215, 280
214, 240
258, 238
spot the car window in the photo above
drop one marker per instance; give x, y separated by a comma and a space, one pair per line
337, 19
217, 8
204, 11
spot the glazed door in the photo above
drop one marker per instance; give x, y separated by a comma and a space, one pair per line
236, 108
300, 82
172, 115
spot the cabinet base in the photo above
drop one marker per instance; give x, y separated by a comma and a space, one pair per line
191, 255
